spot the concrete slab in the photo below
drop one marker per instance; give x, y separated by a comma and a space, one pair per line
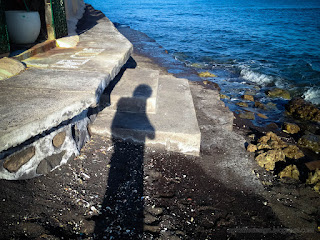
173, 126
138, 90
27, 112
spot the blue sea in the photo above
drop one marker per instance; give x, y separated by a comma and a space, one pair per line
258, 42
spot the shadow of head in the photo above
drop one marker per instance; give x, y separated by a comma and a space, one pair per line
142, 90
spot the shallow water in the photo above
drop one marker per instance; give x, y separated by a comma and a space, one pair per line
274, 42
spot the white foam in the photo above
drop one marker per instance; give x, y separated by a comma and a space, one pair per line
312, 95
256, 77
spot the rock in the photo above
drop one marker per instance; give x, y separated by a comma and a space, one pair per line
271, 141
290, 128
278, 92
149, 219
248, 98
59, 139
259, 105
242, 104
9, 67
293, 152
247, 115
197, 65
269, 158
262, 116
223, 96
314, 178
301, 109
206, 74
151, 229
290, 171
154, 211
317, 189
15, 161
211, 85
310, 141
47, 164
252, 148
313, 165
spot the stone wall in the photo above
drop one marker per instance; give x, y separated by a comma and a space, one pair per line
44, 153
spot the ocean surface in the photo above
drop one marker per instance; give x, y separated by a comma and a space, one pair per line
254, 42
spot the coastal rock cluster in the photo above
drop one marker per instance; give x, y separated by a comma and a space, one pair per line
301, 109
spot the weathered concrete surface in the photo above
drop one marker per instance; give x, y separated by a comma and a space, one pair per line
174, 124
61, 83
9, 67
131, 80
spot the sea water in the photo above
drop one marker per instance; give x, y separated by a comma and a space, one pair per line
263, 42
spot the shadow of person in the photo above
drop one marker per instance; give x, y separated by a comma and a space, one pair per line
122, 209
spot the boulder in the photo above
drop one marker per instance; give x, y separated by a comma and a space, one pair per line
301, 109
271, 141
269, 158
259, 105
293, 152
278, 92
314, 177
290, 171
290, 128
310, 141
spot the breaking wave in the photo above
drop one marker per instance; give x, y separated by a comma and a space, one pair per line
255, 77
312, 95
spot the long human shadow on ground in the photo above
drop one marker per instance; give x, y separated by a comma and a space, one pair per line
122, 208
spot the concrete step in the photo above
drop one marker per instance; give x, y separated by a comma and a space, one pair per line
173, 125
137, 89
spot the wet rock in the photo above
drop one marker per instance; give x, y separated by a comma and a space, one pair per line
242, 104
59, 139
293, 152
278, 92
310, 141
290, 128
252, 148
197, 65
259, 105
248, 98
313, 165
269, 158
290, 171
314, 177
301, 109
247, 115
206, 74
223, 96
262, 116
211, 85
15, 161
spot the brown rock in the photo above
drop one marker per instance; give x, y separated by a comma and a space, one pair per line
59, 139
47, 164
301, 109
290, 171
313, 165
278, 92
271, 141
247, 115
310, 141
242, 104
290, 128
152, 229
252, 148
269, 158
293, 152
13, 162
248, 97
